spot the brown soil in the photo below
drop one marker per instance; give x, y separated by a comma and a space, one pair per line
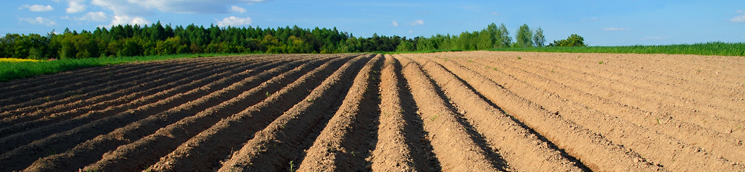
455, 111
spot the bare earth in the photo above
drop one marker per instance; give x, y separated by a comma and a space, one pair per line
454, 111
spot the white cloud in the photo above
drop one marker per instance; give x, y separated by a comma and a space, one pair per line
411, 31
615, 29
234, 21
395, 23
76, 6
37, 8
39, 20
417, 22
146, 7
123, 20
237, 9
739, 19
94, 16
495, 13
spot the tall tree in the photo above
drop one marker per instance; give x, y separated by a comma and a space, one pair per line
524, 37
538, 38
503, 37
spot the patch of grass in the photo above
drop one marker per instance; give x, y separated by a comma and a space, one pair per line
434, 117
709, 48
19, 70
518, 57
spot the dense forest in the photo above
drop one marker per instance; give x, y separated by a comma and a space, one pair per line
156, 39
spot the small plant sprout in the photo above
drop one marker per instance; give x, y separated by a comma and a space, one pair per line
518, 57
353, 153
268, 94
601, 62
495, 69
552, 70
292, 166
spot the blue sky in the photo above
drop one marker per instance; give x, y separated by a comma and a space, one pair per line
628, 22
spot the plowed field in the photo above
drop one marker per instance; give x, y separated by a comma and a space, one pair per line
455, 111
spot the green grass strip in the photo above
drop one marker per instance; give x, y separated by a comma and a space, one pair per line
18, 70
711, 48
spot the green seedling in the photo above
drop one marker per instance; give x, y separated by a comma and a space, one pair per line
470, 61
601, 62
552, 70
434, 117
292, 166
495, 69
353, 153
518, 57
268, 94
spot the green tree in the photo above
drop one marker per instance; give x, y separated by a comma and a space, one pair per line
573, 40
503, 37
538, 38
485, 40
524, 37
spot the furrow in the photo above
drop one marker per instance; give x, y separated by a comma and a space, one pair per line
46, 82
593, 150
283, 139
350, 135
33, 112
70, 138
402, 144
158, 105
91, 105
65, 90
522, 149
690, 133
652, 76
663, 150
204, 151
189, 118
453, 145
635, 90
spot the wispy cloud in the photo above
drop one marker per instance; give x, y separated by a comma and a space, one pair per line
615, 29
37, 8
234, 21
237, 9
740, 18
76, 6
39, 21
411, 31
395, 23
417, 22
495, 13
94, 16
123, 20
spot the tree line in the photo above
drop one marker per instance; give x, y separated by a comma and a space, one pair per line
157, 39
